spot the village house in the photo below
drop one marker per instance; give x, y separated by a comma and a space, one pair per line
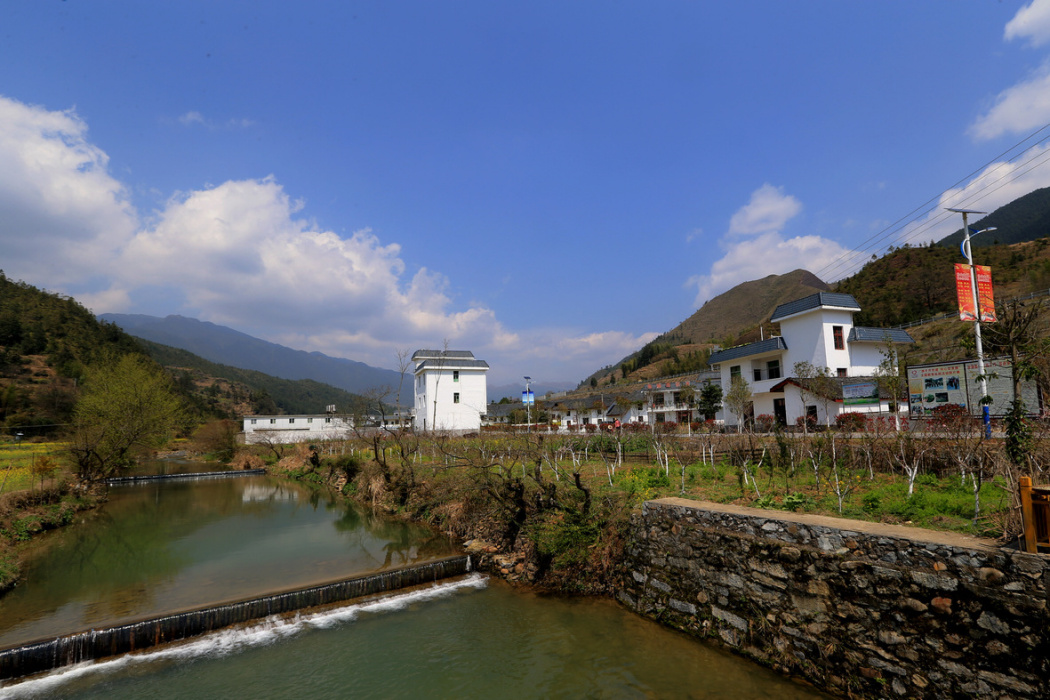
298, 428
674, 400
451, 393
817, 330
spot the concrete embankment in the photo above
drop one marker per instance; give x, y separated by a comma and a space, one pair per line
48, 654
856, 608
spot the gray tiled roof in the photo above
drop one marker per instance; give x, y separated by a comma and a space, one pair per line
832, 386
446, 363
814, 301
879, 335
767, 345
438, 354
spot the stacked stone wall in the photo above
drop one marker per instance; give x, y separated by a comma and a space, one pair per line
855, 608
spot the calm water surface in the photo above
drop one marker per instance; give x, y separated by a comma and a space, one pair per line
159, 547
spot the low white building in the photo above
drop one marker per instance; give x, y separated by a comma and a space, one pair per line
298, 428
818, 330
451, 390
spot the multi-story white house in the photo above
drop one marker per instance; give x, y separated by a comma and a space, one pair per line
299, 428
451, 392
669, 401
819, 330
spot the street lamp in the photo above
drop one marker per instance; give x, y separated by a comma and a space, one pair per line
528, 406
981, 378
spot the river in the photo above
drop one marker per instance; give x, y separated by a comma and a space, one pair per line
170, 545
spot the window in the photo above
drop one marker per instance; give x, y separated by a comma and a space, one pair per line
837, 332
734, 372
773, 367
253, 421
842, 372
272, 421
455, 375
327, 420
309, 420
455, 397
291, 420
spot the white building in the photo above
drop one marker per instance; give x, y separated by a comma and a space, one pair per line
300, 428
668, 400
817, 329
451, 392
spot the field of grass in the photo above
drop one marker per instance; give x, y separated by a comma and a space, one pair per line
23, 465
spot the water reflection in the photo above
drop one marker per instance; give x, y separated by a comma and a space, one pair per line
172, 545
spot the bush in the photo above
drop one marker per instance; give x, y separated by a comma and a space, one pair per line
668, 427
765, 423
852, 422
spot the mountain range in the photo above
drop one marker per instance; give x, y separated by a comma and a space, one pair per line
230, 347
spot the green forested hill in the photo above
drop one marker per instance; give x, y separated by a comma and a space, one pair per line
235, 391
1026, 218
47, 340
908, 284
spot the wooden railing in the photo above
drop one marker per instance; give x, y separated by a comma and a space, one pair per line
1035, 513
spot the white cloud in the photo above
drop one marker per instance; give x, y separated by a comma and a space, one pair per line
768, 254
1031, 22
1020, 108
195, 118
769, 210
243, 254
755, 248
62, 216
192, 117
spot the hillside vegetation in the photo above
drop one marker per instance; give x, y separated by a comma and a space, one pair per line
48, 341
1026, 218
231, 391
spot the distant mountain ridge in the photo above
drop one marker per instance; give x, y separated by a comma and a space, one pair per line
743, 307
230, 347
731, 317
1026, 218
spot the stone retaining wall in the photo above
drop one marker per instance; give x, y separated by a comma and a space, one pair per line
853, 607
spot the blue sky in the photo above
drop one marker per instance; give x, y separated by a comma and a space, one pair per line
549, 185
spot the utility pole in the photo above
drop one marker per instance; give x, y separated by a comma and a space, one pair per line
981, 378
528, 405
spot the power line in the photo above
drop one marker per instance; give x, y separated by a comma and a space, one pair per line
873, 243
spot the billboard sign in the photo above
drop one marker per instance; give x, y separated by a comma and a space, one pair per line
528, 398
964, 292
866, 394
985, 298
930, 386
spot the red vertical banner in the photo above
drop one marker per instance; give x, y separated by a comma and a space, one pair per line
985, 299
964, 291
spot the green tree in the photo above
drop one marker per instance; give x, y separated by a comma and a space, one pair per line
127, 407
710, 400
738, 400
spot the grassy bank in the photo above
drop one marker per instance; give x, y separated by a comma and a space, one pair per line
26, 513
555, 509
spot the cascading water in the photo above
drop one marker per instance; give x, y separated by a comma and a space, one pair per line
100, 643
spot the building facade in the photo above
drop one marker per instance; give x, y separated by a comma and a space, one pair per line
299, 428
451, 390
842, 361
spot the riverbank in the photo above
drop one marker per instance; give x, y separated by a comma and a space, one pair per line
25, 514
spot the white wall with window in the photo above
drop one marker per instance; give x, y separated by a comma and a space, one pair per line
451, 390
297, 428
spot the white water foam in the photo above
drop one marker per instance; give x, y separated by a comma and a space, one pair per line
230, 641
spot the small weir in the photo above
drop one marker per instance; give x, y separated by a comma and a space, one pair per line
124, 480
46, 655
